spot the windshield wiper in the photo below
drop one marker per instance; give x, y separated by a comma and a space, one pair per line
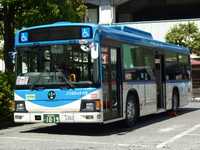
37, 79
64, 77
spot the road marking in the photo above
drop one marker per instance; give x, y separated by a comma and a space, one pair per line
161, 145
194, 134
34, 139
82, 142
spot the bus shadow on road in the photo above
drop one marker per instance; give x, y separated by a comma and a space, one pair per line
105, 129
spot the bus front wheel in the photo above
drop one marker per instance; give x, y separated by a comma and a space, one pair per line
131, 111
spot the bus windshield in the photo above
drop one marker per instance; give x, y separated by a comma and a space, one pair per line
55, 66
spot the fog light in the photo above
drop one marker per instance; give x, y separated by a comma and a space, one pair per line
89, 117
18, 117
98, 116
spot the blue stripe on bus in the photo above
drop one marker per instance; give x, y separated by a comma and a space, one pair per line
136, 83
175, 81
62, 97
153, 82
52, 103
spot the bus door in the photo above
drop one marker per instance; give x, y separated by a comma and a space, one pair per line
111, 87
160, 80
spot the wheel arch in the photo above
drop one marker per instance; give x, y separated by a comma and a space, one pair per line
177, 90
135, 94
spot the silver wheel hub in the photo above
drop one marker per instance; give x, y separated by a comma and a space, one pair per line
130, 110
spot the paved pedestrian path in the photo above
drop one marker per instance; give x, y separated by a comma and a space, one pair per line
196, 95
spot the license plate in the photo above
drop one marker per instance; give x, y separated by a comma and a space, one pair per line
51, 118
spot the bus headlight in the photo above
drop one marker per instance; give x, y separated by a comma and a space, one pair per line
90, 105
20, 106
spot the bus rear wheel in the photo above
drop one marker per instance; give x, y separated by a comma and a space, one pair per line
175, 101
131, 111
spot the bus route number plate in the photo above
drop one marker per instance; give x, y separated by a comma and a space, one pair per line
51, 118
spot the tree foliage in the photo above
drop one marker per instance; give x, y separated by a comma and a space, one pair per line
37, 12
7, 81
18, 14
1, 51
186, 35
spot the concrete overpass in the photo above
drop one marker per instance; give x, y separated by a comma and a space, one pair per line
111, 11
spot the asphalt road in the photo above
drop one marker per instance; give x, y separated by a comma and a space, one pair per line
159, 131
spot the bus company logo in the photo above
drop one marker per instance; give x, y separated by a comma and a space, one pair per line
51, 95
77, 93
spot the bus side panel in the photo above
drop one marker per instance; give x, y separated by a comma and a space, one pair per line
151, 98
147, 96
139, 88
169, 88
184, 96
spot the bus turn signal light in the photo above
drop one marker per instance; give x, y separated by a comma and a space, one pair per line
98, 105
13, 106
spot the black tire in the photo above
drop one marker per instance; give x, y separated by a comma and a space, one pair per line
175, 101
131, 111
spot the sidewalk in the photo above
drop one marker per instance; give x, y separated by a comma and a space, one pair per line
196, 95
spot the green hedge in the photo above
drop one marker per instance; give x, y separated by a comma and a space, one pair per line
7, 83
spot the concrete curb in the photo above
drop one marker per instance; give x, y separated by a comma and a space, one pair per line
196, 99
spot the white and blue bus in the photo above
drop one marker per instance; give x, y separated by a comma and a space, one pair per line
87, 73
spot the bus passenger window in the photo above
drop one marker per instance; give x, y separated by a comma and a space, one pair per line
138, 63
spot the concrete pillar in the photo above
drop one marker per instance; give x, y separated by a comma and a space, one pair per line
107, 9
107, 14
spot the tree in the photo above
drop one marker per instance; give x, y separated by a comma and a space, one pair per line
22, 13
1, 48
186, 35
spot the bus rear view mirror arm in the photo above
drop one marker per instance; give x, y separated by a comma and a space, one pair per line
12, 56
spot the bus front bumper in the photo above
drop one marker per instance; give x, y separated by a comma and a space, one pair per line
91, 117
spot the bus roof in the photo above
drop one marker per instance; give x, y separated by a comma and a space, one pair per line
56, 24
121, 33
135, 36
131, 30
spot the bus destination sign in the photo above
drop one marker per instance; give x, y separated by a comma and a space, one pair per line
55, 33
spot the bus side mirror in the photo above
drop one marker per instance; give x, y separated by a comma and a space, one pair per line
12, 56
94, 51
93, 47
85, 48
